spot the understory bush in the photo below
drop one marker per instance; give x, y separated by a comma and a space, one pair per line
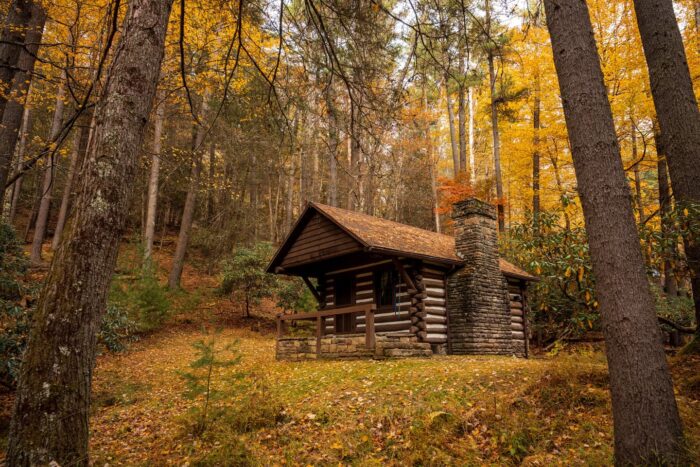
141, 296
244, 277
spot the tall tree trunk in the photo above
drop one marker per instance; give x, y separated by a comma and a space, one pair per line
355, 192
677, 112
462, 120
21, 149
646, 422
79, 147
670, 283
210, 185
453, 137
42, 217
183, 237
635, 170
471, 99
496, 144
333, 143
50, 419
536, 154
12, 39
153, 178
11, 118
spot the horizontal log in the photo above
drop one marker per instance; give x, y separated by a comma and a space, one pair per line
435, 319
422, 335
435, 292
421, 325
516, 327
436, 338
514, 297
438, 310
434, 302
434, 282
516, 305
516, 312
516, 319
436, 328
517, 335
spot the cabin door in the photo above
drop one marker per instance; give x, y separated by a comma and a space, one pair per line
344, 324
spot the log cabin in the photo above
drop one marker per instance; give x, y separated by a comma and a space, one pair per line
389, 289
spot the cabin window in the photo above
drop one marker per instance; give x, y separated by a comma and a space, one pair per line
385, 287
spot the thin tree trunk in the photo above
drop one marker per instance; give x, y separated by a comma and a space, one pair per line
453, 136
496, 144
210, 185
153, 178
333, 142
50, 419
355, 192
536, 155
42, 217
462, 120
635, 170
190, 205
670, 283
20, 15
21, 149
471, 99
647, 427
677, 112
79, 147
12, 117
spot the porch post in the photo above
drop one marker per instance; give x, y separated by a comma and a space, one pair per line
369, 327
319, 334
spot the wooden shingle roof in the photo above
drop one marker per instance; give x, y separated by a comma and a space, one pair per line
385, 236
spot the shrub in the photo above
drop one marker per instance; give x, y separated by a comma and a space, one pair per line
145, 301
244, 275
15, 311
117, 329
294, 295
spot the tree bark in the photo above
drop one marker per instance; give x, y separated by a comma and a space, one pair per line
647, 427
536, 155
670, 283
453, 136
677, 112
635, 170
12, 39
496, 144
50, 419
153, 177
333, 142
471, 99
17, 186
79, 148
462, 120
42, 217
183, 237
13, 113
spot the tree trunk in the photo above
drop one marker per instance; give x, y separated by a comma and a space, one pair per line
50, 419
153, 179
333, 142
79, 147
496, 144
21, 149
635, 170
670, 283
183, 237
646, 422
677, 112
471, 98
462, 120
12, 116
42, 217
536, 155
355, 191
12, 38
210, 184
453, 136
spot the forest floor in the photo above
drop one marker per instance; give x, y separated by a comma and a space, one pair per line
546, 410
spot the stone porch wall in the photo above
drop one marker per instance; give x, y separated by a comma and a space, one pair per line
348, 346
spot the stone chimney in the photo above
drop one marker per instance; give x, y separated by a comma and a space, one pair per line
477, 307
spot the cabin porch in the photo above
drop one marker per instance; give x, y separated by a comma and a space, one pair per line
366, 344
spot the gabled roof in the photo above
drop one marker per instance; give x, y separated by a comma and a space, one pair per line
393, 238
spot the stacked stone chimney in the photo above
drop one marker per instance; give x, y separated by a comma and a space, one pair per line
477, 306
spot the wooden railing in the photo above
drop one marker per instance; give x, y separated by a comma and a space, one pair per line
319, 316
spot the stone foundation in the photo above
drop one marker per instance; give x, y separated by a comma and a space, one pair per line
349, 346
